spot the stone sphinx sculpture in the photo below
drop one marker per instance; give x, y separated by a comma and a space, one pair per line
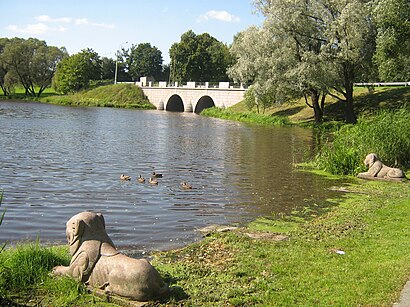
96, 262
377, 170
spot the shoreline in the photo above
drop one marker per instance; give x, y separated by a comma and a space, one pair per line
356, 253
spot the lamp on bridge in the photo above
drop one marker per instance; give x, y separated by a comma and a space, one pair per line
116, 62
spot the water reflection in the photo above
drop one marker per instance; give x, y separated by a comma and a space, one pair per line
57, 161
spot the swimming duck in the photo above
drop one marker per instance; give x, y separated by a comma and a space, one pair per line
156, 175
125, 177
186, 186
152, 181
141, 179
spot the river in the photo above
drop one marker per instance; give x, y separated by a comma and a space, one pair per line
56, 161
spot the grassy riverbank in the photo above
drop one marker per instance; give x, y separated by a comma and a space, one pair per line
356, 254
114, 95
383, 117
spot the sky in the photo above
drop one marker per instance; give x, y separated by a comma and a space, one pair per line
107, 26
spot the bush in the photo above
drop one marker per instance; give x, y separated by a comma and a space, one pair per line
386, 134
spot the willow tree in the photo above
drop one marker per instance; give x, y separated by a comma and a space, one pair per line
350, 45
306, 48
283, 57
392, 42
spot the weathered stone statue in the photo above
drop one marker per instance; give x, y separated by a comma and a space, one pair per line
96, 262
377, 170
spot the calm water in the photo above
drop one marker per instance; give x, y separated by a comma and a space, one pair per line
57, 161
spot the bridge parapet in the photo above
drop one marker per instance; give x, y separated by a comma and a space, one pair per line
190, 85
192, 96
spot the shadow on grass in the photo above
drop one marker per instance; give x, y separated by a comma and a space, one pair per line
383, 99
176, 293
289, 112
22, 96
6, 303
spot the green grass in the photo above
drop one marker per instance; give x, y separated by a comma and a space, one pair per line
115, 95
386, 133
1, 219
25, 277
248, 117
365, 102
370, 225
384, 114
304, 270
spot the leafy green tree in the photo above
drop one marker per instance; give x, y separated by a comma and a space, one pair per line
350, 37
283, 58
307, 49
199, 58
165, 73
75, 72
143, 60
3, 68
32, 61
107, 68
392, 43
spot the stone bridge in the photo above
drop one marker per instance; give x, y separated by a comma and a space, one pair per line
192, 97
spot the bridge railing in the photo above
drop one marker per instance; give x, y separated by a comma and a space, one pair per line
382, 84
197, 85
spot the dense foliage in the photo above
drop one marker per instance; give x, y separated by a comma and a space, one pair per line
107, 68
30, 63
317, 48
75, 72
393, 44
142, 60
386, 134
199, 58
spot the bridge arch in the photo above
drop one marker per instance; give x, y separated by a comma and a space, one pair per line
175, 104
203, 103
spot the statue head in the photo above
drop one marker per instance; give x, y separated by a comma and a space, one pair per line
86, 226
370, 159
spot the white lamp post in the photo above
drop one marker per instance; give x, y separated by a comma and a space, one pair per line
116, 62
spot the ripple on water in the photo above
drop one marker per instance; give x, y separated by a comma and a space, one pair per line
57, 161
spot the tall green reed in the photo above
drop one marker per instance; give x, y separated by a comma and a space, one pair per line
386, 133
1, 219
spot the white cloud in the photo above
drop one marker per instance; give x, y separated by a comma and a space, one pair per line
46, 18
42, 27
36, 29
86, 22
81, 21
218, 15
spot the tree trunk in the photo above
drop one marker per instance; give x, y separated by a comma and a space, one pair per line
348, 71
317, 108
349, 110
